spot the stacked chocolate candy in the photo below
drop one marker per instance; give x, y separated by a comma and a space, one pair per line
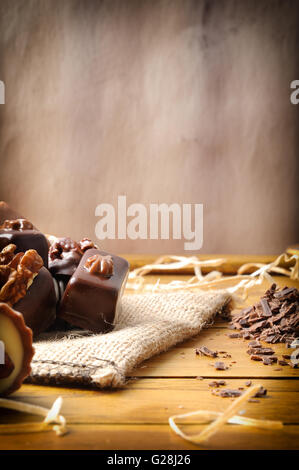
44, 281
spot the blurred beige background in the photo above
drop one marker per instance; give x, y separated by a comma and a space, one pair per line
161, 101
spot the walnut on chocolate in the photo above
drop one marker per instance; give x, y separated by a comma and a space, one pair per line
98, 264
17, 224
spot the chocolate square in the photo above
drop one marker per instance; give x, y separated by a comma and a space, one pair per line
92, 301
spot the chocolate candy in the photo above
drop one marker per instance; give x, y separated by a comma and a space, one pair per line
27, 286
20, 232
92, 298
16, 340
38, 307
64, 257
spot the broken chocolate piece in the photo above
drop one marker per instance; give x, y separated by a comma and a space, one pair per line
262, 392
229, 393
235, 335
217, 383
254, 344
268, 360
262, 351
204, 351
17, 340
90, 301
219, 365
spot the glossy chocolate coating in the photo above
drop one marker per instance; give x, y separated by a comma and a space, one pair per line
25, 240
92, 301
38, 307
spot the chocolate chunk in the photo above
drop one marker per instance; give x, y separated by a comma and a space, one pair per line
235, 335
217, 383
262, 392
92, 301
268, 360
266, 309
248, 383
255, 344
262, 351
220, 365
204, 351
229, 393
255, 357
285, 292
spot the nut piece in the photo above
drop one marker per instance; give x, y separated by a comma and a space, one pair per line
17, 275
98, 264
7, 254
17, 224
86, 244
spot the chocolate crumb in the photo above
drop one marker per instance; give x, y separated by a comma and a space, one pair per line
262, 392
229, 393
268, 360
220, 365
283, 363
204, 351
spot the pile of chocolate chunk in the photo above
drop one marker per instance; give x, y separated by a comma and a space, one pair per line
274, 319
50, 283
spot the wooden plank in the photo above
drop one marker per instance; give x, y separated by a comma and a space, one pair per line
152, 401
136, 417
148, 437
181, 361
230, 266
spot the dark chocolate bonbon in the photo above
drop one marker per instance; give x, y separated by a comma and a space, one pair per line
92, 300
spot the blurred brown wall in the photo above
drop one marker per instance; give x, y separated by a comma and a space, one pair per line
163, 101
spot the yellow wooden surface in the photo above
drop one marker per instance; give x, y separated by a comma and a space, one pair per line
137, 417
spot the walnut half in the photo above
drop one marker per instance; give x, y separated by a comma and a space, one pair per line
17, 273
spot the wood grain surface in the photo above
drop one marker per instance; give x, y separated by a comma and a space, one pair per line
172, 383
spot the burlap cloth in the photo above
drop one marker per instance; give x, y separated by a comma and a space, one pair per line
147, 325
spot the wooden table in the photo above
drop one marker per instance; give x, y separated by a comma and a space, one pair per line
137, 417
